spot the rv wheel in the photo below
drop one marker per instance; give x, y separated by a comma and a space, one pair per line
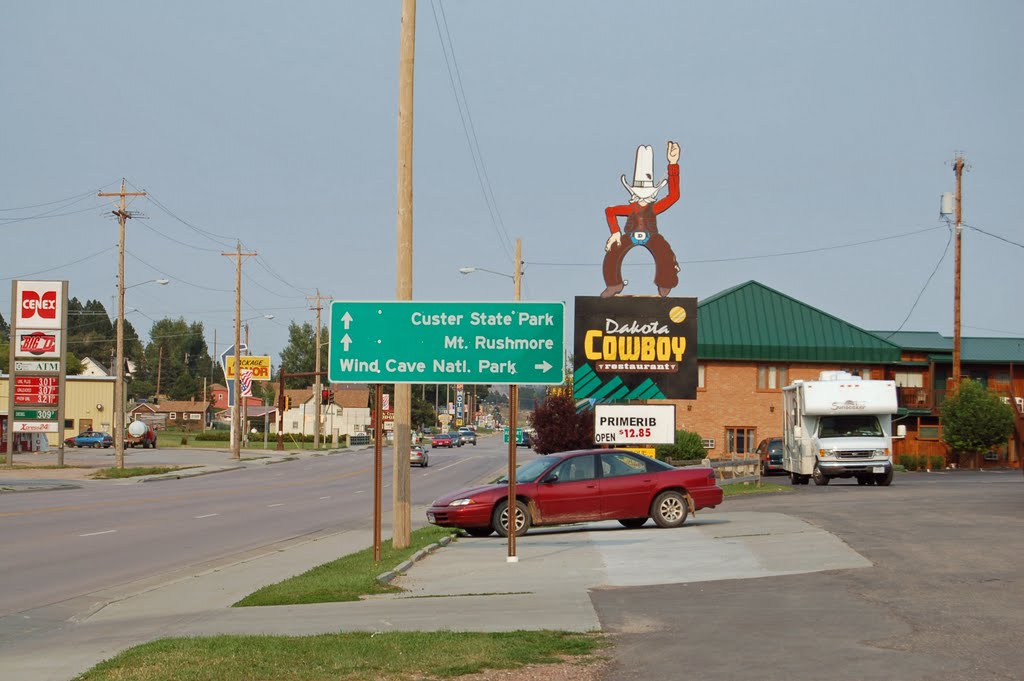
820, 478
884, 479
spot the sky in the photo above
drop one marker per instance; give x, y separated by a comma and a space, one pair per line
816, 140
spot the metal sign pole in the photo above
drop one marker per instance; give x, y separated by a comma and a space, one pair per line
378, 465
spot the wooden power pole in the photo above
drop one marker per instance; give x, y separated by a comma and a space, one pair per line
316, 353
122, 217
236, 420
958, 168
400, 517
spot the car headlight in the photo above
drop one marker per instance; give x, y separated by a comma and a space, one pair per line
461, 502
880, 452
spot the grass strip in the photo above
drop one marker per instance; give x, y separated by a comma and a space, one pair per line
347, 578
348, 657
745, 488
111, 473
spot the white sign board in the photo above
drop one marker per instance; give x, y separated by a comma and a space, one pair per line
41, 367
38, 305
635, 424
35, 426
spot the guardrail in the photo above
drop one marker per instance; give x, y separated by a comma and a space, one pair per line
728, 471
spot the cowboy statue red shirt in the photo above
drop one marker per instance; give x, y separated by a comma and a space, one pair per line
641, 228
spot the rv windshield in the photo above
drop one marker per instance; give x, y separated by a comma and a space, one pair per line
849, 426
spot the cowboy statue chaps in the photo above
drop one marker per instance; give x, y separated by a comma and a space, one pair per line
641, 228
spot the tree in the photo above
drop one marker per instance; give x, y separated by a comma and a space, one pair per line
422, 414
299, 355
688, 447
560, 428
178, 353
974, 420
5, 329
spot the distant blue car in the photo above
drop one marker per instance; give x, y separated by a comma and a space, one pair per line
93, 439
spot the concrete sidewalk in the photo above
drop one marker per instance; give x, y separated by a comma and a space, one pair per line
466, 586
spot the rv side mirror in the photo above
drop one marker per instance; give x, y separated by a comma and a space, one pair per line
901, 431
798, 432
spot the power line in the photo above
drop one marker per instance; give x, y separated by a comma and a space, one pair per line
747, 257
52, 203
178, 279
469, 130
994, 236
945, 251
58, 267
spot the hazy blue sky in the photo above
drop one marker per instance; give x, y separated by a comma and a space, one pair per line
803, 125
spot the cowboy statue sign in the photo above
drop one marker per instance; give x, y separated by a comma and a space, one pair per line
641, 227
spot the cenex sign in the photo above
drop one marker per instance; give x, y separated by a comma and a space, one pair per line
413, 342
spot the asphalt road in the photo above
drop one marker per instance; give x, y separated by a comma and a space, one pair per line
944, 599
63, 545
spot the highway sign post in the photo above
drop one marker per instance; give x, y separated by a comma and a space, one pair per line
414, 342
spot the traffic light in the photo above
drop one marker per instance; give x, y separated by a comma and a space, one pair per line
287, 402
326, 396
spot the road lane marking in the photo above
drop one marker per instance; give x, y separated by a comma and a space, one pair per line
273, 505
327, 497
208, 515
93, 534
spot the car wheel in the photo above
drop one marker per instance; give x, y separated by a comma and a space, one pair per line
861, 480
478, 531
669, 509
884, 479
96, 445
426, 462
499, 521
632, 523
820, 479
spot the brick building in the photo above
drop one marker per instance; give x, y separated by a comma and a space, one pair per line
753, 340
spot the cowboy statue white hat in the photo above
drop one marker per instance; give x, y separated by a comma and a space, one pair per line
643, 187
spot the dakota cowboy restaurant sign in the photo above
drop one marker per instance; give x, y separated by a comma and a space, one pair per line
638, 348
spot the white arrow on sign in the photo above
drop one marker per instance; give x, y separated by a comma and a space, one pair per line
346, 341
347, 318
543, 366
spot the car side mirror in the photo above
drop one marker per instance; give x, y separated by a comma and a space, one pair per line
553, 477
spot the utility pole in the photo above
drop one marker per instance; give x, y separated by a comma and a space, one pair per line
123, 216
513, 416
316, 353
958, 169
400, 516
236, 437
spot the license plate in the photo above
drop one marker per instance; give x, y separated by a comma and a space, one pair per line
430, 516
878, 469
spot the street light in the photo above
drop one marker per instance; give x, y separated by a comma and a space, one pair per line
513, 408
246, 322
162, 282
471, 270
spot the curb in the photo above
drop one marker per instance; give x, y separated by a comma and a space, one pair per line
187, 473
402, 568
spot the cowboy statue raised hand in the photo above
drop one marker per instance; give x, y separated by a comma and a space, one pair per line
641, 228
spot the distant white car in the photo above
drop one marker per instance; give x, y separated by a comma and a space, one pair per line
468, 435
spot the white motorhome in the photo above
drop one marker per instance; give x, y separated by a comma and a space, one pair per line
839, 426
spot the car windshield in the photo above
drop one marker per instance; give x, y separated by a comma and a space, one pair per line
529, 472
849, 426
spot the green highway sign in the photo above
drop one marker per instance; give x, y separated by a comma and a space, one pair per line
35, 414
414, 342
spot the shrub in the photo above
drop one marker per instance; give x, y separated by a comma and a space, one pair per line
936, 462
911, 462
688, 447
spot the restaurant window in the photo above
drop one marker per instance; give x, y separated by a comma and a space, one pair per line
740, 440
173, 416
69, 424
700, 377
771, 377
928, 433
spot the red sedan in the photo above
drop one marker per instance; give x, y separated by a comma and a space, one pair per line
573, 487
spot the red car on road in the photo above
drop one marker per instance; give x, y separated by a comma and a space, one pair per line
442, 440
581, 486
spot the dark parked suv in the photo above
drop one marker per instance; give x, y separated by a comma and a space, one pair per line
770, 454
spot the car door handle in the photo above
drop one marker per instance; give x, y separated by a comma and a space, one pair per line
591, 486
